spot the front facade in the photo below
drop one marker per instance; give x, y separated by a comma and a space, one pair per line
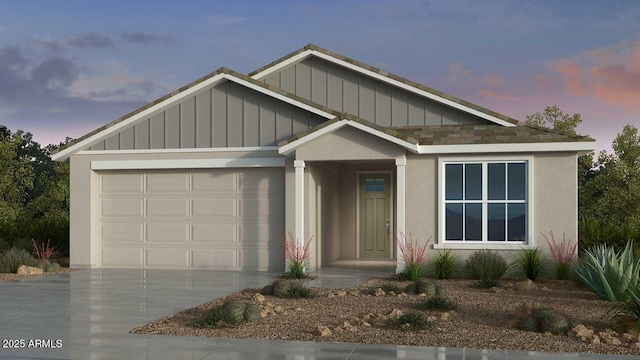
214, 175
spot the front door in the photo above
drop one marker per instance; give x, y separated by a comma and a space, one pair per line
375, 217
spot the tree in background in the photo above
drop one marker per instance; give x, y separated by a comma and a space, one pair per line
608, 188
34, 192
552, 117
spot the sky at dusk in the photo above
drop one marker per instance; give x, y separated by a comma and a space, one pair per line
68, 67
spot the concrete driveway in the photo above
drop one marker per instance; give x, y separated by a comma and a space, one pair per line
87, 314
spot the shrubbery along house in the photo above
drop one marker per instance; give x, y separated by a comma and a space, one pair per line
214, 174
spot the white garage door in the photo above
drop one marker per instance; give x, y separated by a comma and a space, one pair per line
192, 219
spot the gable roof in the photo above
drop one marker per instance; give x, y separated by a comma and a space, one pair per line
394, 80
213, 78
443, 139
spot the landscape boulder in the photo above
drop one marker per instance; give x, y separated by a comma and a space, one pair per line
29, 270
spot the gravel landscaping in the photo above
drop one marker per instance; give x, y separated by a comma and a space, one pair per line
483, 318
15, 277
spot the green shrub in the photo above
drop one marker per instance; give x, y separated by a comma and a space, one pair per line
593, 232
422, 286
487, 267
281, 288
543, 320
232, 312
412, 319
437, 302
48, 266
297, 291
11, 260
388, 287
287, 290
267, 290
444, 265
609, 274
530, 264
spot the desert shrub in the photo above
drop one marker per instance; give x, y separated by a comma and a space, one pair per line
543, 320
388, 287
11, 260
530, 264
267, 290
609, 274
437, 302
631, 311
562, 254
487, 267
232, 312
422, 286
48, 266
281, 288
444, 265
412, 319
296, 254
298, 291
413, 255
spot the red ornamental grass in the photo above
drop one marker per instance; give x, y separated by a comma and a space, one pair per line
563, 252
294, 251
43, 253
411, 252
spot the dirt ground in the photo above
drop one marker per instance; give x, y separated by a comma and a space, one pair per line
483, 318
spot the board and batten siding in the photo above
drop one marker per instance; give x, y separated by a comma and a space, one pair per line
347, 91
225, 115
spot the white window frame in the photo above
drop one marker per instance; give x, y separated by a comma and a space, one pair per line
442, 243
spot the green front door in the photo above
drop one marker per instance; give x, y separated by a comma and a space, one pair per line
375, 213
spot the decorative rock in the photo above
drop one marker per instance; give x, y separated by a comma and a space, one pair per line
259, 298
595, 340
278, 310
392, 293
379, 292
628, 338
368, 316
547, 333
422, 294
545, 288
609, 339
403, 294
347, 326
331, 295
635, 346
354, 293
496, 290
269, 304
365, 324
395, 313
29, 270
341, 293
264, 313
581, 332
445, 316
526, 285
324, 331
298, 309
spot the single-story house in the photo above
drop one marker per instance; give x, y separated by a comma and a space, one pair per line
214, 174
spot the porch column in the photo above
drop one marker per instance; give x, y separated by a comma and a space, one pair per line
401, 164
299, 223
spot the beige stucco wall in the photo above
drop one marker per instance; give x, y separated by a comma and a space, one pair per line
84, 196
555, 203
348, 143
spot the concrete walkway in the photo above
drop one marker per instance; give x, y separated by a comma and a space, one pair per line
91, 312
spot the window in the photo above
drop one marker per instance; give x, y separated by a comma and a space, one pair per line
374, 185
485, 201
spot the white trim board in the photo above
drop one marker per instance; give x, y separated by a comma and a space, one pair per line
382, 78
506, 148
288, 148
186, 164
143, 115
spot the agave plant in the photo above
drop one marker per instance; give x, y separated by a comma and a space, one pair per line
609, 274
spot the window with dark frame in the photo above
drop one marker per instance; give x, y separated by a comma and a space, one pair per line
485, 201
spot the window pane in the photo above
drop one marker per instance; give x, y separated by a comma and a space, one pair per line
496, 222
453, 219
517, 184
473, 181
473, 218
496, 181
453, 185
517, 222
374, 185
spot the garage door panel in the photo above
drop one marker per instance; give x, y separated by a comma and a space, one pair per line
219, 207
168, 232
224, 259
220, 182
121, 208
262, 208
113, 233
168, 208
163, 183
260, 258
122, 183
214, 233
260, 234
114, 256
169, 257
261, 181
225, 219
